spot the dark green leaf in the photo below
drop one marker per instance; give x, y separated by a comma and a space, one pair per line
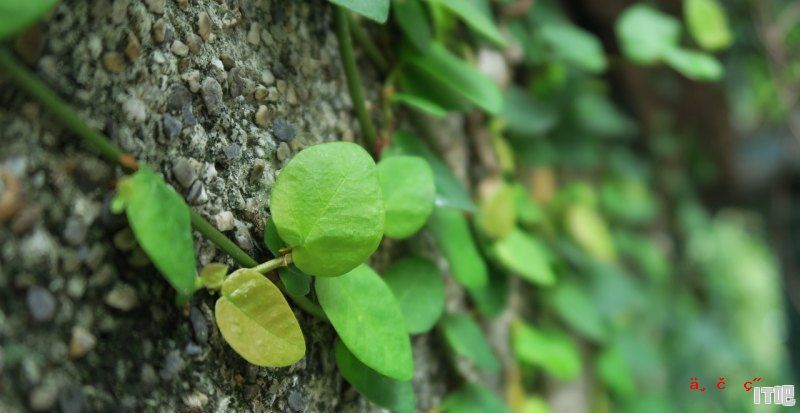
451, 231
17, 15
478, 18
419, 289
408, 192
419, 103
466, 339
473, 398
599, 116
369, 321
551, 350
377, 10
415, 82
646, 34
159, 218
612, 369
525, 115
397, 396
413, 21
492, 298
575, 46
328, 206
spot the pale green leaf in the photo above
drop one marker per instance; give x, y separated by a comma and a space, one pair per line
419, 103
413, 21
408, 192
473, 398
589, 230
525, 256
575, 307
535, 405
447, 69
328, 207
708, 24
466, 338
17, 15
296, 282
159, 218
255, 319
574, 46
647, 34
526, 116
369, 321
377, 10
453, 236
695, 65
419, 289
477, 18
213, 274
397, 396
551, 350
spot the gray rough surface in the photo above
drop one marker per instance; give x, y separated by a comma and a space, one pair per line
176, 83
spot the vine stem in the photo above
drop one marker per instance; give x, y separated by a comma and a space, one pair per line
62, 110
351, 72
369, 46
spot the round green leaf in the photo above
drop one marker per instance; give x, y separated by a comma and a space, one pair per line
397, 396
159, 218
473, 398
256, 321
551, 350
408, 191
466, 338
17, 15
328, 207
525, 256
646, 34
451, 231
587, 227
708, 24
369, 321
419, 289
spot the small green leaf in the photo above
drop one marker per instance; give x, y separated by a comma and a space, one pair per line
466, 339
419, 103
451, 231
408, 192
491, 299
213, 275
525, 115
449, 190
708, 24
647, 34
535, 405
296, 282
588, 229
575, 307
447, 69
598, 116
256, 321
159, 218
529, 212
695, 65
17, 15
327, 205
479, 19
473, 398
413, 81
525, 256
574, 46
419, 289
498, 212
369, 321
612, 369
413, 21
377, 10
397, 396
551, 350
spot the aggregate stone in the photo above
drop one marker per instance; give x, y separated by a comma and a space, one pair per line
41, 303
212, 95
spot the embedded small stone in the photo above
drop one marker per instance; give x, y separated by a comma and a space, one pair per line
173, 364
192, 79
194, 42
43, 398
179, 48
156, 6
123, 297
199, 325
224, 220
134, 109
253, 35
41, 303
267, 77
81, 343
212, 95
261, 116
183, 4
260, 93
184, 172
282, 130
204, 25
172, 125
283, 151
133, 49
197, 194
232, 151
75, 231
113, 62
159, 31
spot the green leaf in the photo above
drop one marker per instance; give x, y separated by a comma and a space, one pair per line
526, 115
551, 350
213, 274
466, 339
413, 81
419, 289
628, 199
612, 369
491, 299
575, 307
296, 282
525, 256
408, 192
597, 115
529, 212
413, 21
159, 218
588, 229
451, 232
327, 205
419, 103
707, 24
369, 321
377, 10
695, 65
448, 70
473, 398
17, 15
449, 190
498, 212
397, 396
535, 405
256, 321
575, 46
475, 17
646, 34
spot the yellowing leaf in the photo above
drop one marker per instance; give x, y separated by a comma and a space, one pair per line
328, 206
498, 212
589, 230
256, 321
